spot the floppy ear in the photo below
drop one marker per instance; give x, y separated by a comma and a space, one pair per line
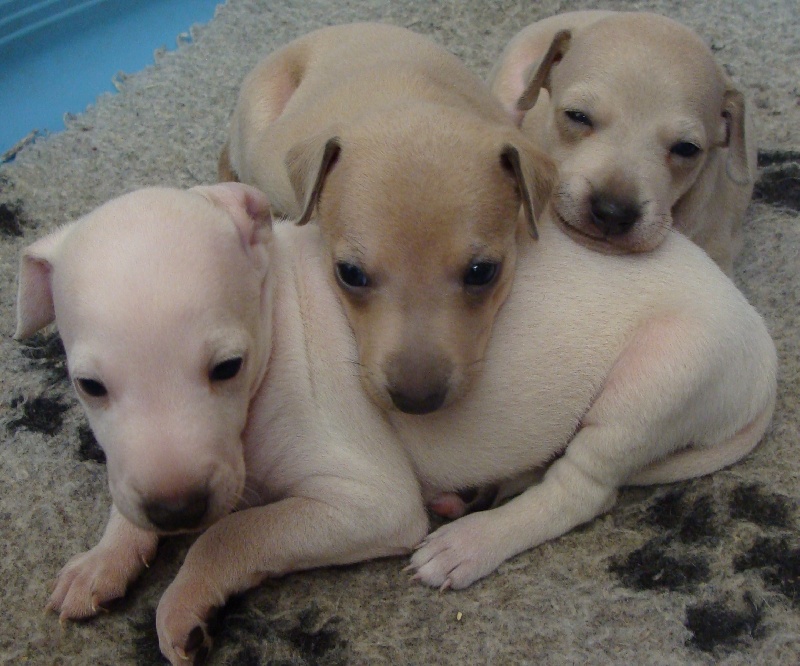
539, 74
733, 111
536, 176
247, 206
35, 308
308, 164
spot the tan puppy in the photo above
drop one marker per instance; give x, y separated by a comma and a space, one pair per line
211, 355
646, 127
422, 187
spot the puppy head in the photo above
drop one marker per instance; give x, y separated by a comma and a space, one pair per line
163, 348
638, 108
421, 216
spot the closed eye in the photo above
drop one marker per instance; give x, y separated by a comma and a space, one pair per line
578, 117
685, 149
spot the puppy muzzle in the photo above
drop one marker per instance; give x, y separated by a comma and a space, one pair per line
613, 216
419, 383
182, 513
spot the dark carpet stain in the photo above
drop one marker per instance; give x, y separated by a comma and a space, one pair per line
717, 624
247, 634
652, 567
690, 524
779, 186
772, 157
692, 521
42, 414
88, 448
11, 219
778, 564
46, 352
145, 643
667, 511
751, 503
315, 641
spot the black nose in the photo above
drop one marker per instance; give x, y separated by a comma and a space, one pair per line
183, 513
413, 404
613, 216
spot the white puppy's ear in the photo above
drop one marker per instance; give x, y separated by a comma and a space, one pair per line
35, 308
247, 206
536, 176
308, 164
538, 76
733, 113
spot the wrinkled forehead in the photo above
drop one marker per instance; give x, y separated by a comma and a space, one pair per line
158, 262
643, 58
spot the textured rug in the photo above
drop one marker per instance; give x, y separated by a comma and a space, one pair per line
703, 572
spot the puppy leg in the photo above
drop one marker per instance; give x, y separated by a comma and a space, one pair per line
573, 491
293, 534
654, 399
103, 573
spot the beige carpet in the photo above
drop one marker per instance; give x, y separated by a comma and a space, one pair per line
701, 573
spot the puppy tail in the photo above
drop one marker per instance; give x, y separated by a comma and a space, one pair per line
695, 462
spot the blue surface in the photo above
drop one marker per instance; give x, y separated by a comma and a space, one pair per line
57, 56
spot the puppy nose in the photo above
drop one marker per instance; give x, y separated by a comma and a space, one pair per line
411, 403
613, 216
418, 380
183, 513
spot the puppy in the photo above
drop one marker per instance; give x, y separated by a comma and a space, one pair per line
422, 187
647, 129
216, 367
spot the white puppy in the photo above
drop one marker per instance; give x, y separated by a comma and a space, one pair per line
215, 364
647, 129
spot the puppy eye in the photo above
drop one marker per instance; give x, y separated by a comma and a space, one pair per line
481, 273
92, 387
351, 276
578, 117
226, 370
685, 149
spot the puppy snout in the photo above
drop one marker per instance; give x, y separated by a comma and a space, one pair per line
185, 512
416, 403
613, 216
419, 383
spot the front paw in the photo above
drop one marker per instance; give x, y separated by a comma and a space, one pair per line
182, 621
458, 554
94, 578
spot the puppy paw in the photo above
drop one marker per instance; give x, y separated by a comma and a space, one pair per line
92, 579
182, 622
458, 554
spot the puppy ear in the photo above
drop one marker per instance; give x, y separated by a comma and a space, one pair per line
309, 164
536, 176
538, 76
736, 139
247, 206
35, 308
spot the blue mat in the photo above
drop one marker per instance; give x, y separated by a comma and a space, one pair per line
57, 56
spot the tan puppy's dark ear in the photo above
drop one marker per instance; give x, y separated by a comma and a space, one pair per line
308, 164
539, 74
536, 176
225, 171
733, 112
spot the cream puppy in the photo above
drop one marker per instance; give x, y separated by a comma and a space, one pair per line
212, 356
422, 187
646, 127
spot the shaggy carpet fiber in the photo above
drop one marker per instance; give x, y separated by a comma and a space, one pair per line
703, 572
